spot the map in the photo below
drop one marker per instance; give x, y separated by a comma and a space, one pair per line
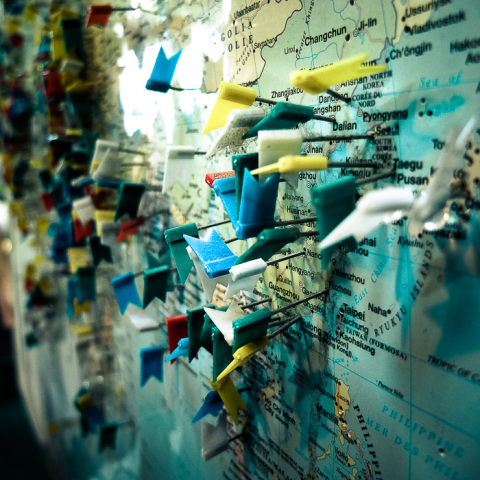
381, 377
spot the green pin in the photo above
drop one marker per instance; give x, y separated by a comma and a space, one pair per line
100, 252
129, 197
222, 353
250, 327
333, 203
239, 164
268, 243
158, 279
196, 321
178, 248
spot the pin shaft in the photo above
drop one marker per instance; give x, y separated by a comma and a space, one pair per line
223, 222
375, 178
338, 96
288, 257
326, 138
299, 302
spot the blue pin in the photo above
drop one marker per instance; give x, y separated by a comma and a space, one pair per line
216, 257
162, 72
212, 405
283, 116
125, 291
257, 206
180, 351
225, 189
151, 364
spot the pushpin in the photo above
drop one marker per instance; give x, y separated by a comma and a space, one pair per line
108, 436
179, 159
82, 231
225, 189
125, 291
215, 439
232, 97
46, 179
212, 405
100, 252
239, 164
129, 196
161, 78
72, 36
71, 295
320, 79
299, 163
199, 331
239, 122
180, 351
208, 284
77, 257
79, 308
245, 276
157, 282
151, 364
85, 209
223, 319
103, 217
31, 340
177, 328
216, 257
376, 207
222, 353
86, 284
230, 396
131, 227
285, 116
100, 14
428, 210
333, 203
211, 177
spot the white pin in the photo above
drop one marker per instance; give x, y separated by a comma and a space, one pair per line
224, 320
109, 232
85, 209
73, 66
144, 323
105, 164
244, 277
428, 210
179, 166
208, 283
239, 122
376, 207
72, 121
273, 144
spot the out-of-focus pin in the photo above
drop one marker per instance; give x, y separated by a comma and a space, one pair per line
214, 254
100, 252
79, 308
180, 351
77, 257
239, 122
151, 364
103, 216
129, 197
212, 405
99, 15
211, 177
108, 436
86, 286
158, 279
320, 79
179, 159
244, 354
162, 74
125, 291
73, 37
199, 331
230, 397
223, 319
177, 328
82, 231
85, 209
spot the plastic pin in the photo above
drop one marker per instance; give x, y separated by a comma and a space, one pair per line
222, 353
79, 308
223, 319
250, 327
77, 257
211, 177
199, 331
162, 74
100, 252
72, 36
320, 79
230, 397
299, 163
101, 217
216, 257
214, 442
129, 197
177, 328
333, 203
225, 189
131, 227
180, 351
374, 208
208, 284
86, 286
125, 291
108, 436
157, 282
177, 244
285, 116
239, 122
100, 14
244, 277
239, 164
85, 209
151, 364
232, 97
179, 159
212, 405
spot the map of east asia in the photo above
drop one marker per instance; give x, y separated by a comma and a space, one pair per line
377, 383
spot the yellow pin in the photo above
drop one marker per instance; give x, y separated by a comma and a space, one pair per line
39, 259
43, 224
30, 271
81, 330
230, 396
230, 97
294, 163
79, 308
320, 79
85, 401
103, 216
77, 258
244, 354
